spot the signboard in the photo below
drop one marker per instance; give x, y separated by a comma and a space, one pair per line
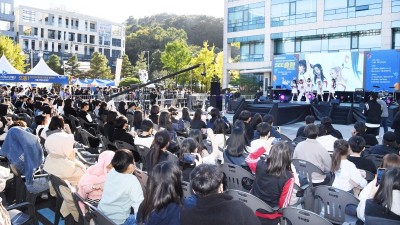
347, 68
382, 70
33, 78
284, 70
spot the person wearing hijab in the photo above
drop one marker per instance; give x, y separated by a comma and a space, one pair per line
90, 186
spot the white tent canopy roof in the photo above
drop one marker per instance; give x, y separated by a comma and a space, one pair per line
5, 66
42, 69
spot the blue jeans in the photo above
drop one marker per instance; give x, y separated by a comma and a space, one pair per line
131, 220
384, 124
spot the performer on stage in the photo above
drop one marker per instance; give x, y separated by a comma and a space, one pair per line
332, 90
320, 90
295, 90
302, 90
309, 90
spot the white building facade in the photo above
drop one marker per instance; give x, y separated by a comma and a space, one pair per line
255, 31
64, 33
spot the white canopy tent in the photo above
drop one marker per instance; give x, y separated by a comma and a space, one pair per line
42, 69
7, 68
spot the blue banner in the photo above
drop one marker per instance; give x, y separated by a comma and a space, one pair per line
382, 70
19, 78
284, 71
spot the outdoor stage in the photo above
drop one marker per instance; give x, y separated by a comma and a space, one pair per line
289, 113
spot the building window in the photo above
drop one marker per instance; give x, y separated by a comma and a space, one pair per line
66, 47
100, 40
297, 46
28, 15
116, 53
71, 36
92, 27
107, 52
342, 9
354, 41
395, 6
51, 34
46, 46
79, 38
59, 35
252, 52
5, 8
396, 39
66, 22
76, 48
246, 17
284, 13
33, 45
116, 42
91, 40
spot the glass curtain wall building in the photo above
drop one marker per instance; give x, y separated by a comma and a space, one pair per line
255, 31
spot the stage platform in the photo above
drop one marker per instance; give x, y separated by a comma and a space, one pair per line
290, 113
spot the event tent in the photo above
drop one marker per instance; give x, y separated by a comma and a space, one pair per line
42, 73
7, 68
93, 82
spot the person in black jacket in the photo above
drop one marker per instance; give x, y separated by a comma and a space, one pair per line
396, 126
213, 206
357, 145
373, 112
359, 130
389, 145
310, 119
121, 134
330, 130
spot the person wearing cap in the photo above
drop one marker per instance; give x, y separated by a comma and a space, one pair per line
327, 122
373, 111
359, 130
388, 146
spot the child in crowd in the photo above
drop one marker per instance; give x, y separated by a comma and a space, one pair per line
122, 190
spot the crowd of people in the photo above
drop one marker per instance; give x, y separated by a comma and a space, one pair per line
186, 148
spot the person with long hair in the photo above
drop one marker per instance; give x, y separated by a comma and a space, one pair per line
122, 108
159, 152
137, 119
236, 148
295, 90
257, 119
332, 90
172, 128
389, 161
386, 201
189, 157
318, 73
186, 115
274, 178
154, 111
197, 122
347, 176
302, 90
109, 126
163, 198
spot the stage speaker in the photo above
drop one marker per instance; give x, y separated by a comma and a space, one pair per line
335, 101
215, 88
358, 95
216, 102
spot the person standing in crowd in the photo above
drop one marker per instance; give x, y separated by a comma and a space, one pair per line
384, 115
153, 97
206, 182
227, 97
373, 111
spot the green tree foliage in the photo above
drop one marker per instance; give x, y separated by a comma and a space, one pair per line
206, 55
99, 67
128, 81
12, 52
141, 64
176, 57
156, 64
72, 66
54, 64
127, 69
245, 83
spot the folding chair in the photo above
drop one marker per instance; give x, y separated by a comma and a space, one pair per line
236, 176
302, 217
85, 136
78, 201
370, 220
142, 177
107, 144
143, 151
254, 203
22, 214
334, 203
99, 218
56, 182
376, 159
124, 145
74, 122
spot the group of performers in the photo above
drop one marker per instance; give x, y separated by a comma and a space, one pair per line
306, 89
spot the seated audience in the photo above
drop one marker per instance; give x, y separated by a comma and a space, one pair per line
389, 161
121, 190
197, 122
385, 203
206, 182
121, 133
186, 115
324, 139
189, 157
154, 111
327, 122
359, 130
109, 126
137, 120
159, 152
389, 145
172, 128
357, 146
264, 130
245, 116
90, 186
311, 151
268, 118
309, 120
163, 197
347, 176
145, 137
274, 178
236, 149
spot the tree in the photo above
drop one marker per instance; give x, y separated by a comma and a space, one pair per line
54, 64
141, 64
12, 52
156, 64
177, 57
99, 67
128, 81
206, 56
72, 66
127, 69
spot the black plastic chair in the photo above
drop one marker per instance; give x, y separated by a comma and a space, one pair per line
83, 219
74, 122
376, 159
334, 202
123, 145
295, 216
235, 176
85, 136
254, 203
22, 214
369, 176
56, 182
187, 189
99, 218
143, 151
107, 144
370, 220
142, 177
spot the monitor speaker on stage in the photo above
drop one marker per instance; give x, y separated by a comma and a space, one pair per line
215, 88
216, 102
358, 95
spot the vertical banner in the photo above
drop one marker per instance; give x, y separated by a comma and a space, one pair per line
382, 70
118, 68
285, 70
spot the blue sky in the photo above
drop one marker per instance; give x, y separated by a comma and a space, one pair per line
120, 10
